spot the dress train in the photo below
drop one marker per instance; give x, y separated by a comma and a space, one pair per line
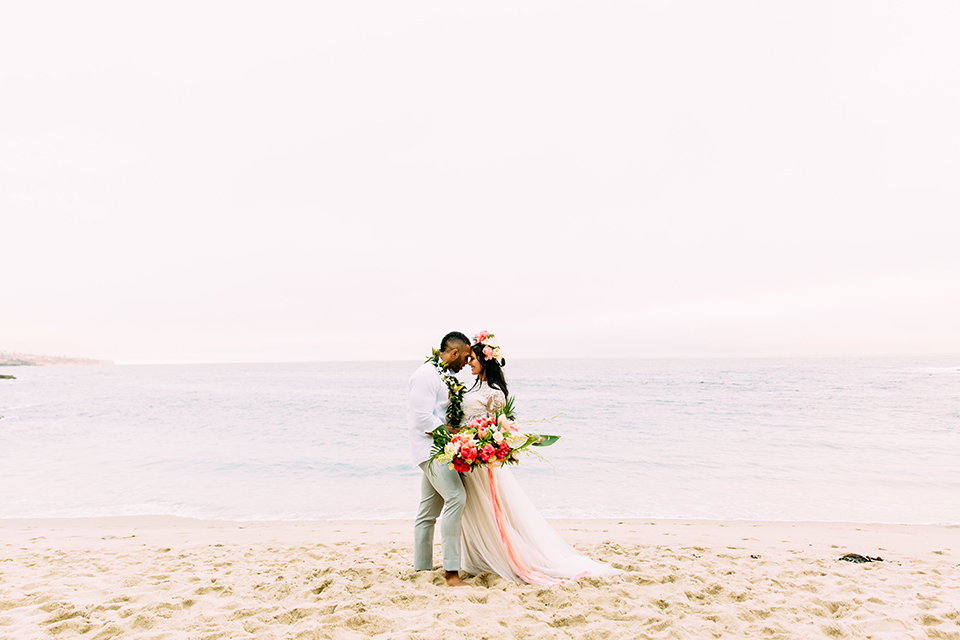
503, 533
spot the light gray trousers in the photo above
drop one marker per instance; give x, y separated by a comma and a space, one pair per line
441, 489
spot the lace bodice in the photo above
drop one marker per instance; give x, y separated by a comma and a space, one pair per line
481, 401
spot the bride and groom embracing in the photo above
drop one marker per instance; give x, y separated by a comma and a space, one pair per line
488, 523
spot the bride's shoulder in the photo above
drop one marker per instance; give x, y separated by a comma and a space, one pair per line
482, 388
481, 391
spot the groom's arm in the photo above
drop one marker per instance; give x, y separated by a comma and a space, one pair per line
423, 400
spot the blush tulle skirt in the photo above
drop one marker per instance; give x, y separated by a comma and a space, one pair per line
503, 533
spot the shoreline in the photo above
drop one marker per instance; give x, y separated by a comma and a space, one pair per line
870, 538
171, 521
161, 519
159, 576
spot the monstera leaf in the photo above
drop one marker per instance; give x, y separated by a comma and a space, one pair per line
544, 440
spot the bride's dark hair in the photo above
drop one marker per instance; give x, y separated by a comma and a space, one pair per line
492, 370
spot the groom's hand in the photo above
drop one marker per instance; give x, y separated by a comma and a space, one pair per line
452, 429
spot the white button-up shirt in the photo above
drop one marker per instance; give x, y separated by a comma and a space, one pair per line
426, 410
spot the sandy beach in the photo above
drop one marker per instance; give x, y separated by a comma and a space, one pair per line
163, 577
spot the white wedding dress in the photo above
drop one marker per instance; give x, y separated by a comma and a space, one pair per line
503, 533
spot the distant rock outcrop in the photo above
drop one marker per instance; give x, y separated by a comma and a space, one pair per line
25, 359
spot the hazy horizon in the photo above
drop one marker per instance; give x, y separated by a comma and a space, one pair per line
207, 182
731, 356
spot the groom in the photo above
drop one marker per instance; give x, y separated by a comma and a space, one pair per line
432, 386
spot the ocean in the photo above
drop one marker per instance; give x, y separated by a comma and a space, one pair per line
789, 439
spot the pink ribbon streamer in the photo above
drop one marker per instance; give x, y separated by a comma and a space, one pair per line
528, 575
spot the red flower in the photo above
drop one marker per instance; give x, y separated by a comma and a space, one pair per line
503, 450
468, 452
487, 452
460, 465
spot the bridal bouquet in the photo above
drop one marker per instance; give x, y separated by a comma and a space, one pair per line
485, 442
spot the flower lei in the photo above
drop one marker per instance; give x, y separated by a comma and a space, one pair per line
491, 351
455, 389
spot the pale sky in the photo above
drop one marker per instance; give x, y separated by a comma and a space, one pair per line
224, 181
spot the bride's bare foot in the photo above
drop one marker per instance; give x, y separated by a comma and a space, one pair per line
452, 579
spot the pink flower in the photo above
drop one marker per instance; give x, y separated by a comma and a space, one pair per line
487, 353
468, 452
481, 337
488, 451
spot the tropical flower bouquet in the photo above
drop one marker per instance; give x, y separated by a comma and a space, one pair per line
485, 442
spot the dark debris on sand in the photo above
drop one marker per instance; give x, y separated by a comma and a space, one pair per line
859, 559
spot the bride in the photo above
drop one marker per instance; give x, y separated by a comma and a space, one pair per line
503, 533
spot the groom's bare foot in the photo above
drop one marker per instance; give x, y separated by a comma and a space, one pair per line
452, 579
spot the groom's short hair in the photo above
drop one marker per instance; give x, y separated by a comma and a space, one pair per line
454, 336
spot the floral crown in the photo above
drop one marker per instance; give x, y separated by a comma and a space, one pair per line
491, 351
